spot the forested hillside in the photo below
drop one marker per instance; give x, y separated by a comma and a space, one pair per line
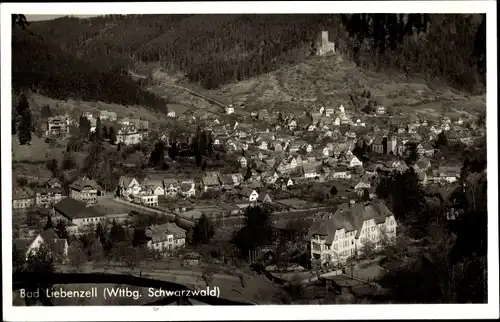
213, 50
41, 66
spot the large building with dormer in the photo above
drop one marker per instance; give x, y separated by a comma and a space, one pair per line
342, 235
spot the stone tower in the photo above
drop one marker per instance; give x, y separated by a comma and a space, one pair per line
324, 45
391, 145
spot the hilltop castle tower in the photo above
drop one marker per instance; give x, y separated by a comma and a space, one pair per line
324, 45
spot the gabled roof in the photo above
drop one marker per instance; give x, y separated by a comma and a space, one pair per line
125, 180
210, 181
170, 181
262, 196
49, 234
82, 183
69, 207
350, 218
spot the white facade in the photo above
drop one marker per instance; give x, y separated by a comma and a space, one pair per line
346, 245
146, 200
355, 162
87, 195
129, 138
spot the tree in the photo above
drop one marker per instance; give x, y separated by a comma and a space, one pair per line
441, 140
105, 132
333, 190
24, 118
62, 230
204, 165
112, 135
158, 154
412, 158
76, 254
256, 231
19, 20
405, 196
481, 120
139, 237
366, 195
46, 112
367, 249
99, 230
203, 230
99, 135
31, 218
207, 277
84, 126
68, 161
40, 261
92, 161
53, 167
22, 181
49, 223
117, 233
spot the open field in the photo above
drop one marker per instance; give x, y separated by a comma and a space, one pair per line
37, 151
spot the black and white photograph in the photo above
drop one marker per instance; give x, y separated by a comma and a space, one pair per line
166, 155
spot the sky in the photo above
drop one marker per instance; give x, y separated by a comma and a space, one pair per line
50, 17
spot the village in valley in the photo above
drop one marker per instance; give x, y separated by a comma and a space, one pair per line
310, 203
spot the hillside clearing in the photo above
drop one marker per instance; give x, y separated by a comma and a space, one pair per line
335, 79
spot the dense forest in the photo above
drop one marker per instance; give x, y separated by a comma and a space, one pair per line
41, 66
213, 50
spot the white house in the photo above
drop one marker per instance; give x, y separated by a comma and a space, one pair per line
381, 110
345, 233
187, 189
251, 194
309, 171
171, 187
154, 187
148, 200
171, 114
229, 109
129, 137
129, 186
57, 247
77, 214
166, 237
85, 190
243, 162
354, 162
342, 175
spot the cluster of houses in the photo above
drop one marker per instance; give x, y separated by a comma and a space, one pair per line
130, 131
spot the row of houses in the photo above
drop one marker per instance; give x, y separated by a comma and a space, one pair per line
84, 190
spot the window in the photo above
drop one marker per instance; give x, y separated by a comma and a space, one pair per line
335, 246
352, 242
373, 228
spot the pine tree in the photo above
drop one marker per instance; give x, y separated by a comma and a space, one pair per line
112, 135
98, 130
105, 133
25, 120
84, 126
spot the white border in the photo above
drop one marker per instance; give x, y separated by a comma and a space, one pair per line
490, 310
